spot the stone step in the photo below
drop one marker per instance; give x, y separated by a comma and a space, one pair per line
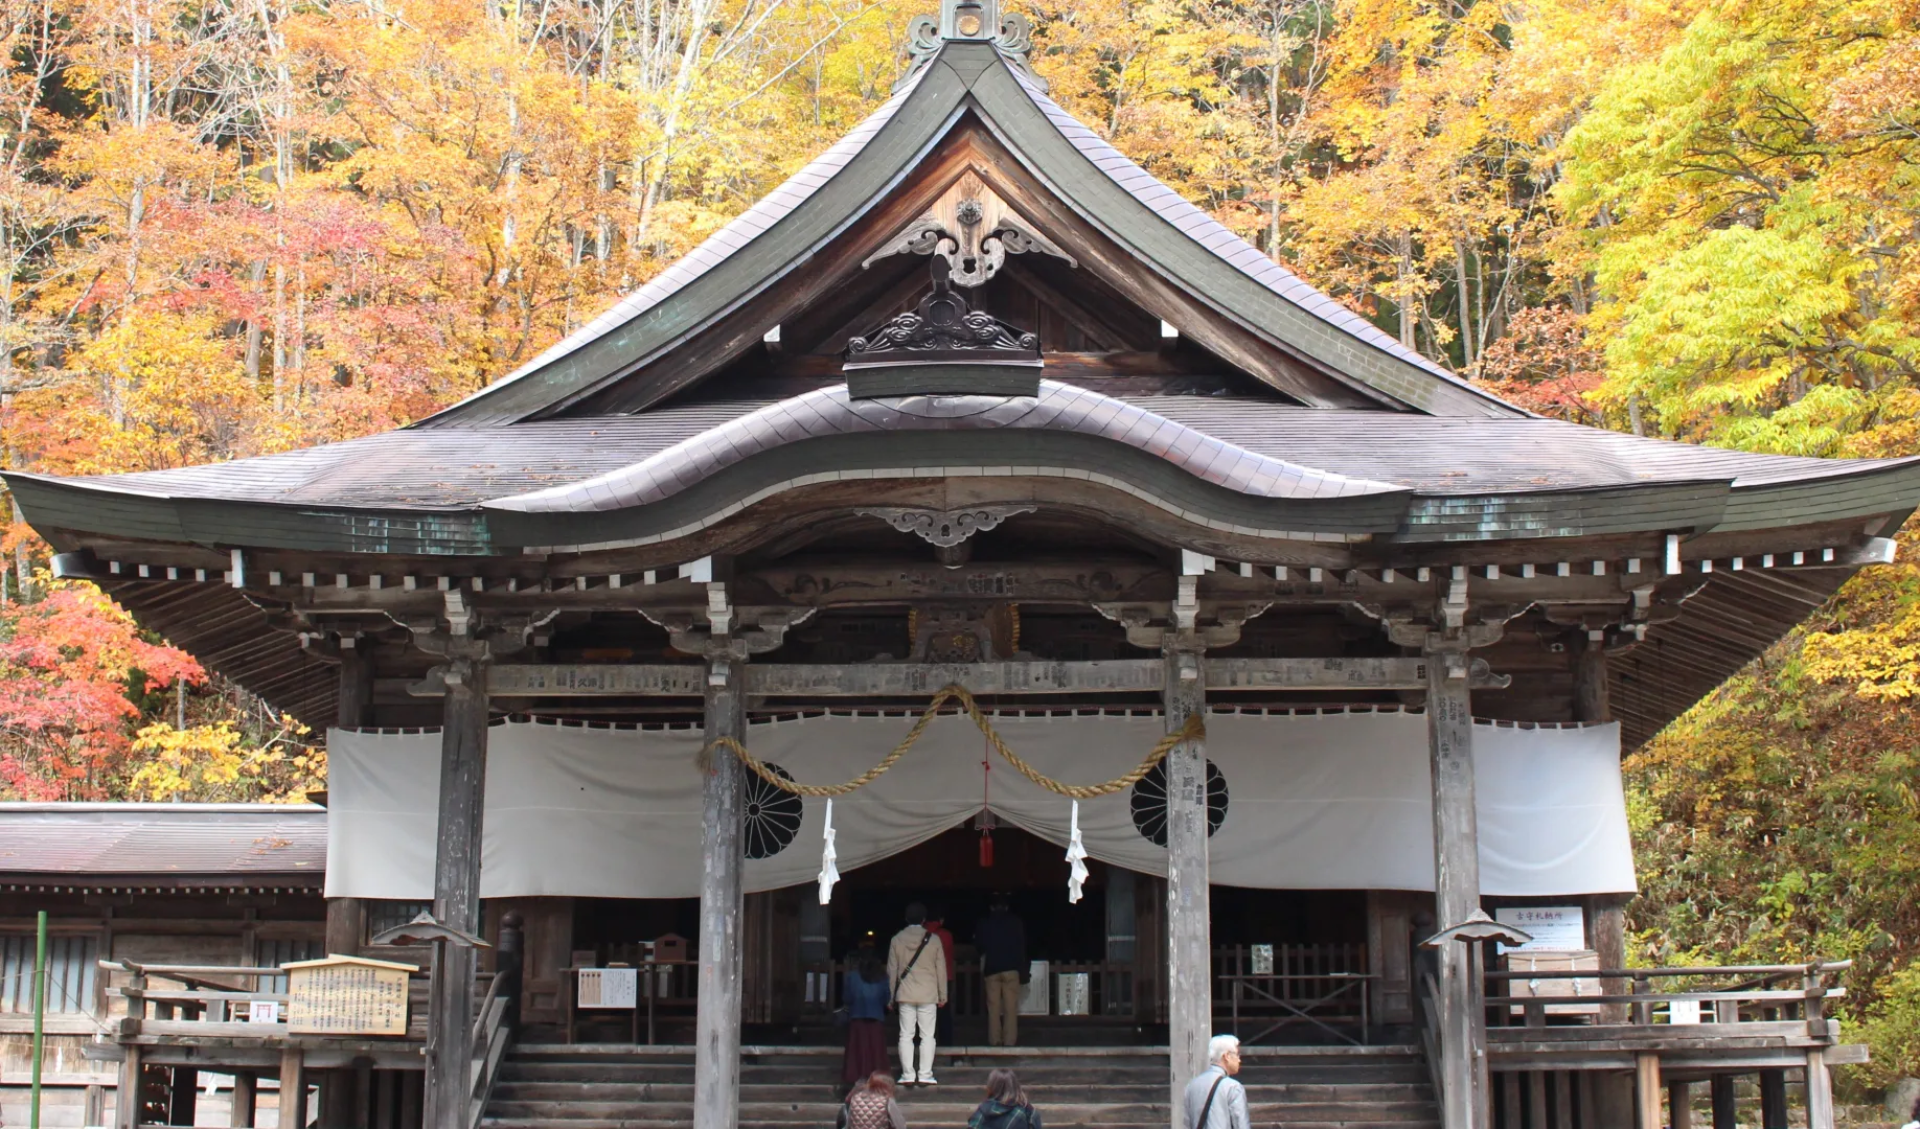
815, 1090
930, 1109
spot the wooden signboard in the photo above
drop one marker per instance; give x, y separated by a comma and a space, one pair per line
340, 995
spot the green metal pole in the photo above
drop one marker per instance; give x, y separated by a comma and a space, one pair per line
39, 1018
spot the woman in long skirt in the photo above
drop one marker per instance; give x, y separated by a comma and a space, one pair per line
865, 993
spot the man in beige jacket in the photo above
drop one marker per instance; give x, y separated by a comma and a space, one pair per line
917, 972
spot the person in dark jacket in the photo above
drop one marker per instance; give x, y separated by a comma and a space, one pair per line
864, 993
1006, 1106
1003, 953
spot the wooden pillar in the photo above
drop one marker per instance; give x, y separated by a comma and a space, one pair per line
293, 1088
1189, 935
346, 926
1456, 854
1680, 1105
1819, 1091
716, 1051
355, 704
126, 1095
456, 893
1592, 693
241, 1111
1773, 1099
1607, 914
183, 1096
1646, 1089
1726, 1106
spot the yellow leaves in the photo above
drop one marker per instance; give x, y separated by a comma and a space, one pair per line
176, 395
218, 762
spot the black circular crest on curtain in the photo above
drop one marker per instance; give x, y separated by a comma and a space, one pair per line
1150, 803
772, 817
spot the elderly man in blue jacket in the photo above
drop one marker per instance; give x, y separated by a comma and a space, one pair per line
1214, 1100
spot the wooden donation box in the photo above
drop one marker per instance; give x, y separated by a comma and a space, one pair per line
339, 995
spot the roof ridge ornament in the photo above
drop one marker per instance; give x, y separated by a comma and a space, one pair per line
975, 21
943, 329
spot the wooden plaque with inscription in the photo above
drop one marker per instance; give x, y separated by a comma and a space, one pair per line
341, 995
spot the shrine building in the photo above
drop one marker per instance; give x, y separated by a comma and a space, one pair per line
1324, 657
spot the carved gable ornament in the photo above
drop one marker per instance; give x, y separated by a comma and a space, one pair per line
973, 229
943, 330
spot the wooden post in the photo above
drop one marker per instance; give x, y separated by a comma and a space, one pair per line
1456, 855
1189, 944
346, 928
1607, 915
126, 1095
355, 706
1726, 1106
183, 1095
241, 1111
1646, 1089
1680, 1105
293, 1088
1819, 1091
1773, 1099
456, 893
716, 1050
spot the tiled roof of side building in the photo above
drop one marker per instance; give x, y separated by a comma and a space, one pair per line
215, 842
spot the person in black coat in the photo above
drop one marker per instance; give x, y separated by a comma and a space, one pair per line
1006, 1106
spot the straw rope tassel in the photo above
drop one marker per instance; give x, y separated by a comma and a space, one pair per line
1195, 729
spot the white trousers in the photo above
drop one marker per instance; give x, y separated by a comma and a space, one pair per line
919, 1016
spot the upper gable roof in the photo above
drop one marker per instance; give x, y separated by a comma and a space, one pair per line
1147, 219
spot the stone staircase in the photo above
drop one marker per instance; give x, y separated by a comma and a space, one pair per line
598, 1086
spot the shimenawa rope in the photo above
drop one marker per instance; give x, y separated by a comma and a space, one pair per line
1194, 729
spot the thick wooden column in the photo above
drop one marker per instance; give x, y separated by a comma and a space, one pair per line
1680, 1105
1189, 934
355, 704
293, 1089
716, 1051
456, 892
1456, 862
1593, 703
1773, 1099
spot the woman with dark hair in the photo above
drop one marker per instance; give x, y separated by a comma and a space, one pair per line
864, 995
871, 1104
1006, 1106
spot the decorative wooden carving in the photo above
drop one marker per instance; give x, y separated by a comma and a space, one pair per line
944, 528
944, 329
978, 20
973, 229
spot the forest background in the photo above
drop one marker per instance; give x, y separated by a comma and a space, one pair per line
232, 227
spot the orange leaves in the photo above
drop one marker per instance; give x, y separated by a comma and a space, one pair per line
70, 664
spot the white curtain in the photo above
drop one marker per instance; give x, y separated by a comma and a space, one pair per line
1334, 801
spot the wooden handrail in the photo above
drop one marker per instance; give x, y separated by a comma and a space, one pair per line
1771, 970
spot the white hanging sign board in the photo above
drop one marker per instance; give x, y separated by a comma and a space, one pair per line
1555, 929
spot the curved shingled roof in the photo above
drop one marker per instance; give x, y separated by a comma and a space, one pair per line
831, 412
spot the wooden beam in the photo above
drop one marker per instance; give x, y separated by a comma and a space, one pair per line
1465, 1096
456, 892
874, 680
716, 1054
1189, 944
